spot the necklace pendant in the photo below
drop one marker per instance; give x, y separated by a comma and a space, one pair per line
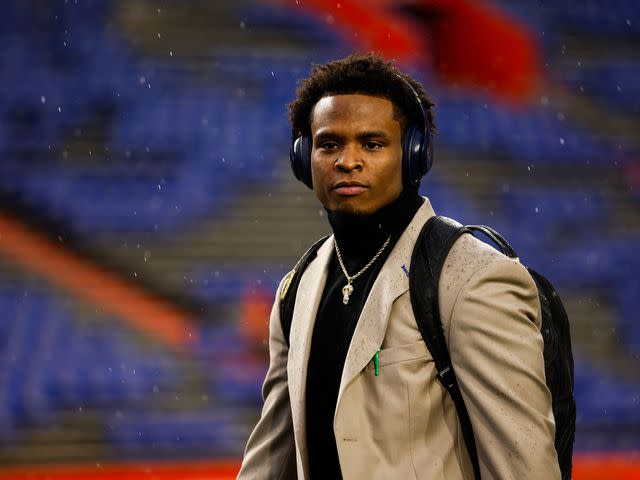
347, 290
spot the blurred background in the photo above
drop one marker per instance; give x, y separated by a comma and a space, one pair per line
148, 212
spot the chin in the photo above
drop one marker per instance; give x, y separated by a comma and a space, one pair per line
353, 209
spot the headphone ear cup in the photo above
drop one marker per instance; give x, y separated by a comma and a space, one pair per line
300, 159
416, 160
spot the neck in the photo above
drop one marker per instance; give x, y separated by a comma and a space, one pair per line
359, 237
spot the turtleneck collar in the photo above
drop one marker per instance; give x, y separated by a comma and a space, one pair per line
360, 237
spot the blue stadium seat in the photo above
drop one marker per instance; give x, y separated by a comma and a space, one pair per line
239, 383
615, 83
607, 408
449, 201
50, 361
532, 136
183, 434
618, 17
228, 284
552, 215
299, 21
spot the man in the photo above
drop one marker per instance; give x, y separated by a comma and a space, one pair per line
355, 396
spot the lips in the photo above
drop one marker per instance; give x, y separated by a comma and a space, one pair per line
349, 188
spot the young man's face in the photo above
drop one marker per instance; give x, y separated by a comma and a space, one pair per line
356, 158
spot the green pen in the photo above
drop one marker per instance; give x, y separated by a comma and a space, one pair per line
376, 363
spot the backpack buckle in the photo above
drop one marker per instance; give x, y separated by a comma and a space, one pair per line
447, 377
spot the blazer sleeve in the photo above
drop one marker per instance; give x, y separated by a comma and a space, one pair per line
496, 350
270, 450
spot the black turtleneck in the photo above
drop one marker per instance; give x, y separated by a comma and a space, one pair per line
359, 239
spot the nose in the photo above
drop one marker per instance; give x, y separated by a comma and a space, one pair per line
349, 159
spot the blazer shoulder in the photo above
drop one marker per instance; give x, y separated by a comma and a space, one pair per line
467, 257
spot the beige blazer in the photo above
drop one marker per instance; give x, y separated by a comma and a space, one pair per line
402, 424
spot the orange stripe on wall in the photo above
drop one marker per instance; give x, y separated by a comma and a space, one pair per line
605, 466
64, 268
196, 470
619, 466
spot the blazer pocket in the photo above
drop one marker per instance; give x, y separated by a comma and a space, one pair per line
402, 353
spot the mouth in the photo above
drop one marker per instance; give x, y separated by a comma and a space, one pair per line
349, 188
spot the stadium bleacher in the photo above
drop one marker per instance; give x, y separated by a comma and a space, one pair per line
611, 81
55, 361
171, 153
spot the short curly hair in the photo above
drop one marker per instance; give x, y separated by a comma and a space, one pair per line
362, 74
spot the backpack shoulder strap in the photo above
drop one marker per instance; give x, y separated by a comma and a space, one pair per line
434, 242
290, 287
496, 238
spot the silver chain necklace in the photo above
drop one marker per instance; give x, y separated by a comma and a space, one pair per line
347, 290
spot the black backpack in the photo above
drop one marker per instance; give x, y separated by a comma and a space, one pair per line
436, 239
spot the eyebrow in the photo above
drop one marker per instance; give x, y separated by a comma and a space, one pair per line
367, 135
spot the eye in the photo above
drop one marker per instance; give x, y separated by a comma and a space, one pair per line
373, 145
329, 145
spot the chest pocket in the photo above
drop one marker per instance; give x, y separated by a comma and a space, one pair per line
403, 341
402, 353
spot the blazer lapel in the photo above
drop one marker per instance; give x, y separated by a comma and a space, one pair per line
392, 282
304, 316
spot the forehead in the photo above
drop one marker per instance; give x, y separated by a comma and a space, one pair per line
353, 110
